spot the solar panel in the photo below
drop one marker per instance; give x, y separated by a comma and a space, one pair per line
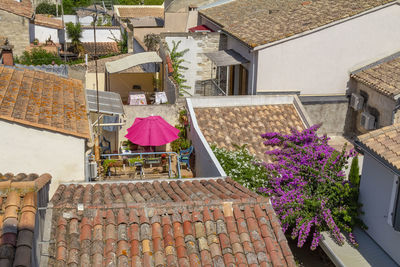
109, 102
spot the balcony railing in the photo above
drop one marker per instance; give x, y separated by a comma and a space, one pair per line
211, 88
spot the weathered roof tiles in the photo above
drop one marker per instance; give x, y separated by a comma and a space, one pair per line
43, 100
197, 222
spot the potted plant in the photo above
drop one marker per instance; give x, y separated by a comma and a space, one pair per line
164, 161
183, 117
36, 41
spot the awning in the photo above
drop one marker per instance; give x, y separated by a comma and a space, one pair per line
367, 254
109, 103
226, 58
131, 61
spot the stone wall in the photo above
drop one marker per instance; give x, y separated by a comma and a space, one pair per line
375, 102
198, 64
16, 29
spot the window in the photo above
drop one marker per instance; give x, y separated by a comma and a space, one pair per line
396, 207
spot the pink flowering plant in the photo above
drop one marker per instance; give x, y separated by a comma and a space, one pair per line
308, 189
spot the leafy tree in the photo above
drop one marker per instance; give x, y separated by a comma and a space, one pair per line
151, 41
69, 5
308, 189
177, 60
46, 8
354, 174
140, 2
38, 56
74, 32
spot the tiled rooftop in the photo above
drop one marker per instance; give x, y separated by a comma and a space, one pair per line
258, 22
101, 65
384, 77
140, 11
23, 8
240, 125
102, 48
385, 142
209, 222
43, 100
18, 205
47, 21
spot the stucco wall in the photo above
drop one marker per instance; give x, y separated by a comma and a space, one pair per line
16, 29
332, 116
31, 150
91, 81
102, 35
122, 83
385, 105
319, 63
198, 64
173, 22
376, 195
43, 33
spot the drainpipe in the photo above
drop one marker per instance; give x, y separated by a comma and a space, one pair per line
253, 74
396, 108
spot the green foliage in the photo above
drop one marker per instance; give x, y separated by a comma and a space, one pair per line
180, 144
74, 32
140, 2
46, 8
106, 165
132, 161
177, 61
69, 5
241, 166
38, 56
121, 43
354, 175
151, 41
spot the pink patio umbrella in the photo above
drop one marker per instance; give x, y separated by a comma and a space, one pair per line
152, 131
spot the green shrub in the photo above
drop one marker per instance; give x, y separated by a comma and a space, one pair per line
180, 144
354, 174
38, 56
46, 8
241, 166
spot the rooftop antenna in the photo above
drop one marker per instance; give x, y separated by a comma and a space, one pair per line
95, 12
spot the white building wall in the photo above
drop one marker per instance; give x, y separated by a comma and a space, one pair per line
43, 33
319, 63
102, 35
30, 150
376, 195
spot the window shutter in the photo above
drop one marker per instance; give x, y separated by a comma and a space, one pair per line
396, 211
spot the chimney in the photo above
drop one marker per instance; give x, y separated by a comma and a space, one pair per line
6, 54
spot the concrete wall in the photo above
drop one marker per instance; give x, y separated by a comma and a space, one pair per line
122, 83
16, 29
42, 33
206, 163
173, 22
102, 34
384, 104
332, 116
31, 150
319, 63
198, 64
90, 81
377, 191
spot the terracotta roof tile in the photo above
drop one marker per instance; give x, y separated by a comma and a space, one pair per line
384, 142
43, 100
240, 125
45, 20
102, 48
23, 8
258, 22
18, 207
174, 230
140, 11
383, 77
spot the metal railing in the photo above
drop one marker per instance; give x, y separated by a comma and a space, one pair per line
211, 88
141, 154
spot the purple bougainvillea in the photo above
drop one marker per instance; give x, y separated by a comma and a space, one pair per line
308, 189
